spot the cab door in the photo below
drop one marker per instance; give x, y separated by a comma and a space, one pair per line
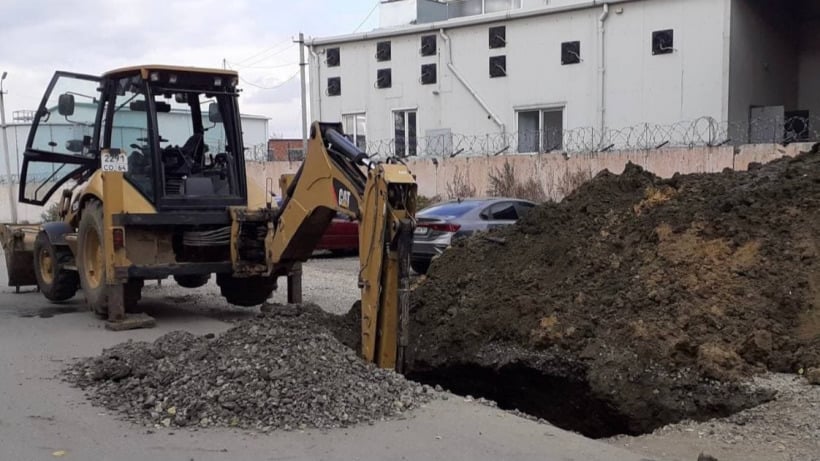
62, 144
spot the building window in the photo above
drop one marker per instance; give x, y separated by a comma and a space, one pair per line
383, 51
498, 37
333, 57
797, 126
334, 86
404, 131
428, 74
296, 155
355, 126
570, 53
663, 42
384, 78
540, 130
428, 45
498, 66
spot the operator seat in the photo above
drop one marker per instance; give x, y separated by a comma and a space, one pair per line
194, 148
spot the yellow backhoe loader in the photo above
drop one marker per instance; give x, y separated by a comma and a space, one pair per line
150, 166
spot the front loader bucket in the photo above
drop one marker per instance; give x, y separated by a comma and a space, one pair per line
18, 246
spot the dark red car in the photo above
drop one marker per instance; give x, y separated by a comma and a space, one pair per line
341, 237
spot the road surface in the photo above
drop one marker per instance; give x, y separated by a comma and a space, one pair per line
42, 418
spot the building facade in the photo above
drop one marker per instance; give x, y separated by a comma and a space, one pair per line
288, 150
495, 76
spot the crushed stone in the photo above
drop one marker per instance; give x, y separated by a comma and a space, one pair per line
282, 370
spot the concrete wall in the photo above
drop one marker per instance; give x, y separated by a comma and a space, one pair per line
550, 170
639, 87
553, 171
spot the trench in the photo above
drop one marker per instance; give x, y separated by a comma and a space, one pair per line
564, 402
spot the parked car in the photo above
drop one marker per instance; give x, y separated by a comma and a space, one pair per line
438, 225
341, 237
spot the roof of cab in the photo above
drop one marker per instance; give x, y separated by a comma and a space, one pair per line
144, 70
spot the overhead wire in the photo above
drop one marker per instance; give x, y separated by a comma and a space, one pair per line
264, 51
278, 85
267, 56
367, 17
279, 66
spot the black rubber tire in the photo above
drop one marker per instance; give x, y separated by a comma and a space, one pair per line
92, 283
59, 284
132, 294
192, 281
246, 292
420, 267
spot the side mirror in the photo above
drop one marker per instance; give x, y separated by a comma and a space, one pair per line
214, 116
65, 105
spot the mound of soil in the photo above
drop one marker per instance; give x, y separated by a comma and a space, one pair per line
636, 302
284, 370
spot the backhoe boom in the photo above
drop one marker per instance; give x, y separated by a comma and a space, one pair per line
383, 200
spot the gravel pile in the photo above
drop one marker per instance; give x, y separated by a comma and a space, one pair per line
283, 370
786, 428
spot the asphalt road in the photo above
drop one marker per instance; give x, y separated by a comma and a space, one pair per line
42, 418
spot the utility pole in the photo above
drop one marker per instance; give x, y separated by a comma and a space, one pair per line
302, 65
9, 177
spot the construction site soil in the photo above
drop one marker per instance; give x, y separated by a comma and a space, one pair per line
635, 302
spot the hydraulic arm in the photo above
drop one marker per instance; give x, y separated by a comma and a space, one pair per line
382, 198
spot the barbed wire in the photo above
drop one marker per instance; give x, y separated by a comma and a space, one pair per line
704, 131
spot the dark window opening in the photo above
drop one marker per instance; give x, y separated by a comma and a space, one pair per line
296, 155
383, 51
570, 53
663, 42
333, 57
428, 74
405, 133
498, 66
334, 86
498, 37
384, 78
797, 126
428, 45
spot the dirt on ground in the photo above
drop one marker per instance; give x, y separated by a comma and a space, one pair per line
635, 302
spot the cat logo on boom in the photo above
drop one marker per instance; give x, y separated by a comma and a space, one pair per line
344, 197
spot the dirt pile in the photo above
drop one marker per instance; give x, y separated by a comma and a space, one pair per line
284, 370
635, 302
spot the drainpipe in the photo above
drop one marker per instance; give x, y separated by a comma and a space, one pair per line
602, 71
315, 84
467, 86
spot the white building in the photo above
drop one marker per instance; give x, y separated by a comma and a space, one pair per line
490, 76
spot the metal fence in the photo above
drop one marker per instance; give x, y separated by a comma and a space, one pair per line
704, 131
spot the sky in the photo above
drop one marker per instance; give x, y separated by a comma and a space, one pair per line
254, 37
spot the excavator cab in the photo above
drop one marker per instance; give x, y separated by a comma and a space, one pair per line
174, 133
